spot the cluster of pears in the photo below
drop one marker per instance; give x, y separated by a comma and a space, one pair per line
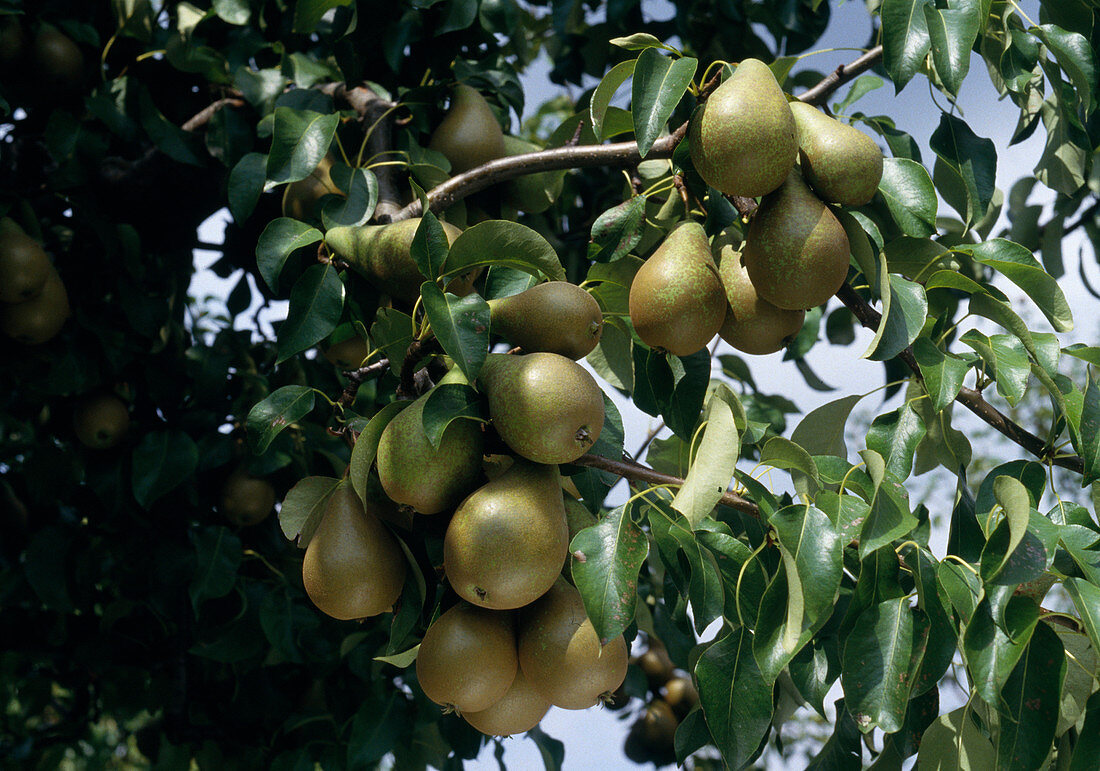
33, 302
748, 140
672, 695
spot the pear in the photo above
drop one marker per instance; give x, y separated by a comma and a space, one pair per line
507, 541
36, 321
429, 479
560, 652
353, 567
24, 267
796, 252
246, 500
842, 164
101, 422
557, 317
743, 139
58, 61
532, 193
300, 198
545, 407
676, 300
467, 659
519, 710
382, 254
752, 324
349, 353
469, 135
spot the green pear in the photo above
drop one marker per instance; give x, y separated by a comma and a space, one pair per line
796, 252
300, 198
557, 317
24, 267
58, 62
842, 164
752, 324
382, 254
532, 193
469, 135
430, 479
353, 567
545, 407
507, 541
743, 139
39, 319
676, 300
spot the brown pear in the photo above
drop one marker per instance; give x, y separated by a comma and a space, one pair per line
24, 267
842, 164
507, 541
560, 652
467, 659
676, 300
38, 320
555, 317
353, 567
469, 135
519, 710
752, 324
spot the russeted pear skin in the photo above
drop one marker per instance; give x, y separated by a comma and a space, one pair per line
532, 193
841, 163
507, 541
469, 134
519, 710
467, 659
560, 652
554, 317
796, 252
430, 479
39, 319
676, 300
353, 567
753, 325
743, 139
545, 407
24, 266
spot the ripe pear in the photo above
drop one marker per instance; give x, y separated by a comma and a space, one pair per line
796, 252
752, 324
348, 353
300, 198
58, 61
101, 421
519, 710
842, 164
430, 479
467, 659
382, 254
681, 695
353, 567
545, 407
36, 321
676, 299
532, 193
246, 500
556, 317
24, 267
507, 541
469, 135
560, 652
743, 139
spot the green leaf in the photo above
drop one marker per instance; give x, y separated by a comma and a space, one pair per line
392, 332
1016, 505
277, 411
217, 557
780, 452
308, 13
232, 11
1018, 265
910, 196
965, 162
303, 507
161, 462
618, 230
875, 674
361, 196
429, 246
992, 649
461, 324
1030, 702
366, 445
902, 319
895, 437
1089, 445
640, 41
605, 562
736, 701
905, 39
499, 242
448, 402
954, 743
942, 373
316, 302
246, 183
844, 749
861, 86
694, 570
952, 33
613, 357
1076, 55
299, 140
659, 83
961, 586
281, 238
601, 97
1087, 749
821, 431
890, 517
1086, 597
1005, 359
711, 473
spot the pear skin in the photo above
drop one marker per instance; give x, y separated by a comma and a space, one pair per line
101, 421
353, 567
519, 710
841, 163
24, 267
38, 320
743, 139
676, 299
300, 198
753, 325
469, 135
507, 541
796, 251
555, 317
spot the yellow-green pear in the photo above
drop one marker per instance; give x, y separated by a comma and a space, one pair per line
24, 266
676, 300
300, 198
842, 164
469, 134
743, 139
796, 251
532, 193
556, 317
38, 320
752, 324
353, 567
101, 421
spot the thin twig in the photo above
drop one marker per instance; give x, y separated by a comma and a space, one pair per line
203, 117
359, 376
841, 75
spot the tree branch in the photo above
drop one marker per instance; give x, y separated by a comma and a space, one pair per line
201, 118
841, 75
968, 397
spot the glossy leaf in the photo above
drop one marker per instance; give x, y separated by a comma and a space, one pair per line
280, 239
965, 162
448, 402
162, 461
618, 230
499, 242
1005, 359
429, 246
821, 431
909, 194
905, 39
711, 473
279, 410
245, 184
1089, 431
954, 743
780, 452
907, 309
1018, 265
361, 196
316, 302
1030, 702
895, 437
217, 557
876, 674
1086, 598
303, 507
951, 32
890, 517
992, 650
1075, 54
942, 373
601, 97
659, 83
366, 445
461, 324
299, 140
